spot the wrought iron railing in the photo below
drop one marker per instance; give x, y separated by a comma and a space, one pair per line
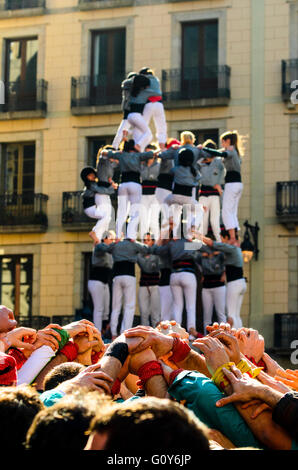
287, 198
289, 71
196, 83
95, 91
23, 209
21, 4
72, 209
25, 96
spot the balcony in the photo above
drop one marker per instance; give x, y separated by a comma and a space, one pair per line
289, 72
17, 8
96, 95
23, 213
287, 203
24, 100
196, 87
100, 4
73, 216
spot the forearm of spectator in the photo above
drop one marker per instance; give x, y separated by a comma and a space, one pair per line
156, 386
36, 362
194, 361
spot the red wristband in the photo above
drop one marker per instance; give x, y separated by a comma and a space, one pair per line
19, 357
148, 370
70, 350
95, 356
116, 387
261, 363
180, 350
174, 374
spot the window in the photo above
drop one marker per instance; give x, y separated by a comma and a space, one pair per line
20, 73
107, 66
94, 144
16, 273
17, 170
199, 62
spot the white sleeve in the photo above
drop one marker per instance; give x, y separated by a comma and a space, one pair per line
34, 364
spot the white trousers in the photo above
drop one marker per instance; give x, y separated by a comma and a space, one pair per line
161, 194
124, 295
157, 112
149, 304
184, 285
149, 217
193, 213
235, 293
129, 198
231, 197
101, 211
166, 303
141, 132
212, 204
124, 126
100, 294
214, 297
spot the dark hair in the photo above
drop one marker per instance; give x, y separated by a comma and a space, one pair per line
85, 172
60, 373
151, 147
146, 71
186, 158
210, 144
63, 426
139, 83
18, 407
234, 138
150, 423
129, 145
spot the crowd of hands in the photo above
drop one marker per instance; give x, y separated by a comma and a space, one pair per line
223, 344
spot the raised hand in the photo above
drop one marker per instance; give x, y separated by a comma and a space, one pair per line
159, 343
214, 352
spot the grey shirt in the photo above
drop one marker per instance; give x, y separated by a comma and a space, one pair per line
183, 176
232, 161
130, 161
123, 251
149, 263
213, 265
233, 254
178, 249
100, 259
150, 172
105, 169
212, 173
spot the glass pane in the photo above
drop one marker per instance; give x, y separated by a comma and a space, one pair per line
100, 57
14, 60
8, 271
119, 55
190, 53
29, 168
8, 296
31, 64
211, 45
9, 166
25, 299
94, 146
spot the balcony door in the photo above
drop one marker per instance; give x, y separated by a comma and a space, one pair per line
17, 166
199, 63
107, 66
21, 73
16, 276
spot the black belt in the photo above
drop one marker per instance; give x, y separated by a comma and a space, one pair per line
233, 177
130, 177
182, 189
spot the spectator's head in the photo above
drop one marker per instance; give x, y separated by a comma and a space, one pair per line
63, 426
146, 71
88, 174
18, 407
7, 320
231, 138
148, 239
108, 237
210, 144
187, 137
60, 373
146, 424
129, 146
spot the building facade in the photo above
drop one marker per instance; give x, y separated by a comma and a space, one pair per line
223, 65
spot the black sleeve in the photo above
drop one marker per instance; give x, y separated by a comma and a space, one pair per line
286, 413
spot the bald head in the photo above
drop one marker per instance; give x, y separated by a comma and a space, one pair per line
7, 320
